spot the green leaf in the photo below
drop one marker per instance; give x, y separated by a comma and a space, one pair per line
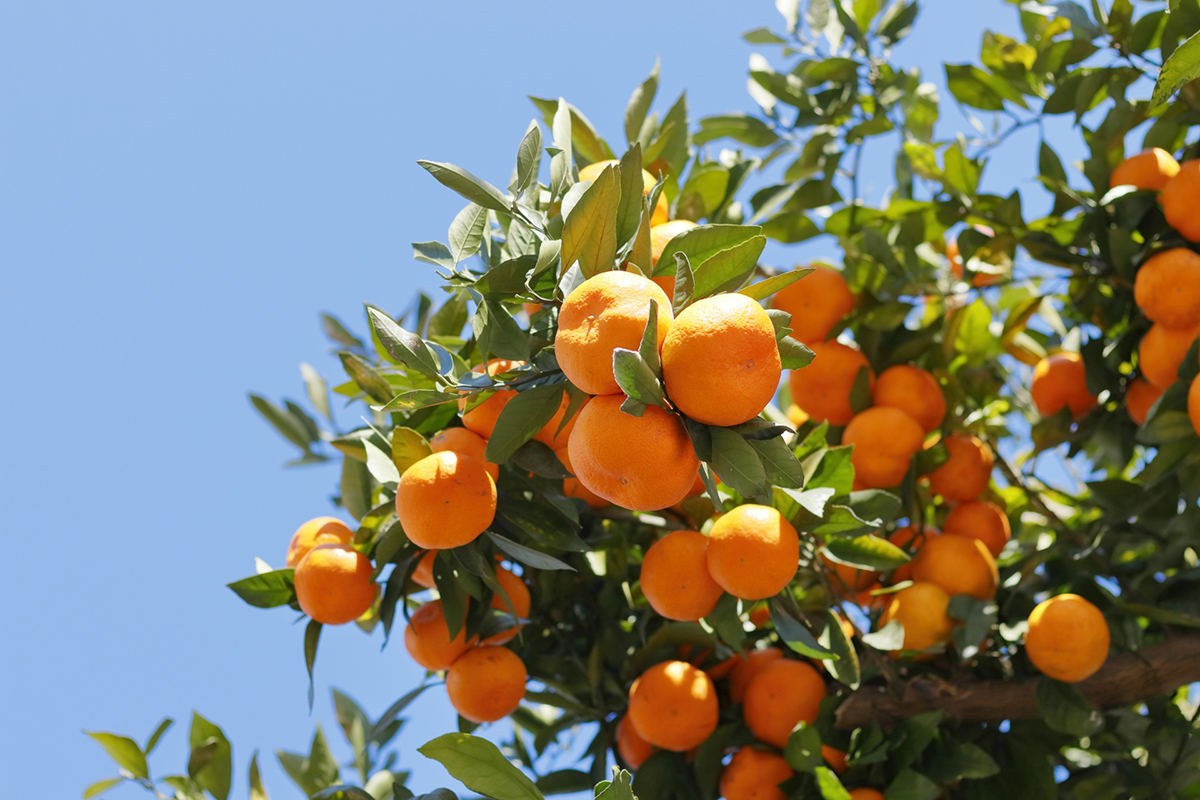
832, 470
793, 354
727, 270
743, 128
888, 638
101, 786
312, 636
841, 521
782, 467
498, 333
434, 253
589, 233
845, 668
394, 710
257, 790
639, 104
355, 487
867, 552
466, 232
526, 555
803, 748
761, 290
648, 348
629, 207
405, 347
796, 635
211, 762
912, 785
522, 417
475, 189
529, 158
918, 731
480, 766
380, 465
827, 782
318, 393
266, 590
315, 772
978, 89
584, 139
702, 243
737, 462
284, 422
335, 330
636, 378
366, 377
685, 284
152, 742
1064, 708
408, 447
124, 751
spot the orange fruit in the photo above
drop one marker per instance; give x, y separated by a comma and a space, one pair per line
720, 362
445, 500
866, 794
486, 683
1139, 397
836, 759
921, 609
817, 302
1059, 381
518, 593
754, 662
422, 574
660, 212
915, 392
482, 418
641, 463
606, 311
822, 389
531, 308
753, 552
1167, 288
333, 584
573, 488
673, 705
797, 415
754, 774
979, 519
885, 440
783, 694
322, 530
1161, 352
1149, 169
466, 443
911, 539
675, 577
965, 475
549, 435
427, 638
760, 616
1180, 198
847, 579
1067, 639
1193, 404
660, 235
957, 565
632, 748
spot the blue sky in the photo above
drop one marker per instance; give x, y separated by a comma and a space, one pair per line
186, 187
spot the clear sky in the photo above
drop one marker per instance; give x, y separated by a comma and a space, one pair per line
186, 186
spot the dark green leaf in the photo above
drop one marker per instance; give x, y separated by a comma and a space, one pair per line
639, 105
796, 635
527, 556
524, 415
284, 422
867, 552
1064, 708
211, 762
472, 188
763, 289
727, 270
312, 635
912, 785
480, 766
793, 354
685, 284
845, 668
590, 230
466, 232
803, 749
636, 378
267, 590
737, 462
403, 346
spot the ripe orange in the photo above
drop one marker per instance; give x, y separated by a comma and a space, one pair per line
866, 794
885, 440
1059, 382
921, 609
660, 235
1067, 639
1193, 404
531, 308
1139, 397
641, 463
958, 565
915, 392
573, 488
911, 538
605, 312
782, 694
518, 593
1180, 198
445, 500
633, 748
1161, 352
466, 443
753, 552
486, 683
1167, 288
422, 574
754, 774
823, 388
720, 362
980, 520
817, 302
549, 435
482, 418
836, 759
760, 616
965, 475
797, 415
333, 584
660, 212
675, 577
1149, 169
427, 638
746, 667
322, 530
673, 705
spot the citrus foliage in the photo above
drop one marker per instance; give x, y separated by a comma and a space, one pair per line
901, 515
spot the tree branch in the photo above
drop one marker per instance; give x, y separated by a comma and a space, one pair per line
1124, 679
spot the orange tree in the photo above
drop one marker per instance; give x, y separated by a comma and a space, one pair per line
581, 488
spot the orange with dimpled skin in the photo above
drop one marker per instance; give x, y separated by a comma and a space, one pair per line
783, 694
673, 705
885, 440
753, 552
1180, 198
427, 638
959, 565
980, 520
486, 683
922, 609
1067, 639
822, 389
965, 475
445, 500
817, 302
675, 577
1161, 351
333, 584
633, 748
915, 392
660, 236
1151, 169
467, 443
1167, 288
746, 667
322, 530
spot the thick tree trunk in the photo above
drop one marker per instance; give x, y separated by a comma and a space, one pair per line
1124, 679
